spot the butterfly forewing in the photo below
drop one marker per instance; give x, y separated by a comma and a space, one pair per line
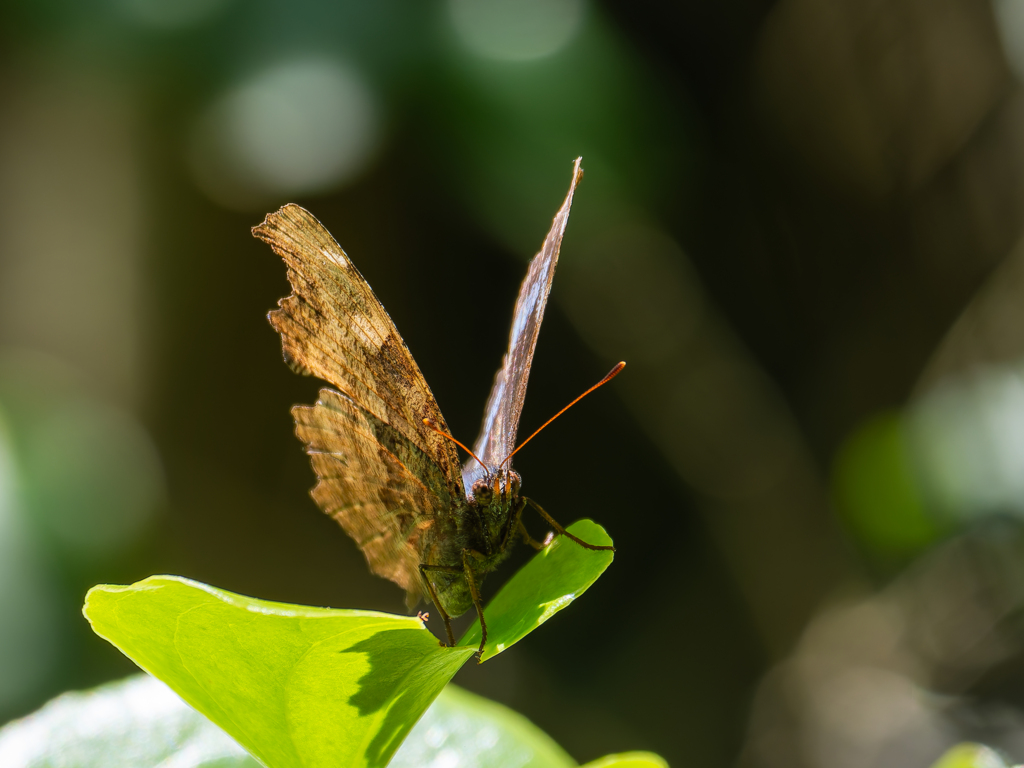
505, 403
333, 327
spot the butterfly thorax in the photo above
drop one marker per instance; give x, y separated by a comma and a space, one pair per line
484, 529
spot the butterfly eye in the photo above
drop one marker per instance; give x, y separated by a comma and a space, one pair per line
482, 492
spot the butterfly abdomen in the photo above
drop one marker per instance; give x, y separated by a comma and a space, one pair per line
453, 588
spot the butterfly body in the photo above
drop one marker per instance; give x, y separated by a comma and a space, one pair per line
388, 469
486, 530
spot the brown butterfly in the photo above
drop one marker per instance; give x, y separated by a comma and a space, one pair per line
388, 469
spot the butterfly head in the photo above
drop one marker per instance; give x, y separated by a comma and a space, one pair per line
499, 487
496, 495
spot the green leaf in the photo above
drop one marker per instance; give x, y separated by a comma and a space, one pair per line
544, 586
300, 686
968, 755
295, 686
629, 760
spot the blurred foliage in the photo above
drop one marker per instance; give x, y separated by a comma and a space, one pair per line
134, 723
970, 756
878, 491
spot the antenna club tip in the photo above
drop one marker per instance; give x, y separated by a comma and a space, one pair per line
612, 373
428, 422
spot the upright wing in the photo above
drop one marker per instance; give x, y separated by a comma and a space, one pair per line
333, 327
505, 403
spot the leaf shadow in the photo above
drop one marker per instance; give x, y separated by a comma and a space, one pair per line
403, 679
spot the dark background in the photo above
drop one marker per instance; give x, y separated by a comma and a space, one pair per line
800, 227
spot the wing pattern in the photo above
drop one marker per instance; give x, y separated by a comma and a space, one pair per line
333, 327
378, 486
505, 403
383, 475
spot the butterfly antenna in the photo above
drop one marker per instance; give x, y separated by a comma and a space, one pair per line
431, 425
611, 375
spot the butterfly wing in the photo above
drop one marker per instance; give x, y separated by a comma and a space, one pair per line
384, 475
505, 403
380, 488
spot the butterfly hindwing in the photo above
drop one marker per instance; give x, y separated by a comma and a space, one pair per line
383, 491
505, 403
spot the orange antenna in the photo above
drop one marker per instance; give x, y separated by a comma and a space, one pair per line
431, 425
611, 375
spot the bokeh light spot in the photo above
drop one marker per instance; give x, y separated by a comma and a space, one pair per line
968, 439
301, 127
516, 30
1010, 21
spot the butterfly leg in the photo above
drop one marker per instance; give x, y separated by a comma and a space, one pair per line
433, 595
475, 594
538, 545
514, 524
560, 530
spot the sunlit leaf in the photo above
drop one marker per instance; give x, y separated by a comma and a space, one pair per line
296, 686
316, 686
544, 586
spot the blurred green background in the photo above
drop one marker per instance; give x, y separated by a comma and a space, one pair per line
801, 226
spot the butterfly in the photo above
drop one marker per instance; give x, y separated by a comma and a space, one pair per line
387, 467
